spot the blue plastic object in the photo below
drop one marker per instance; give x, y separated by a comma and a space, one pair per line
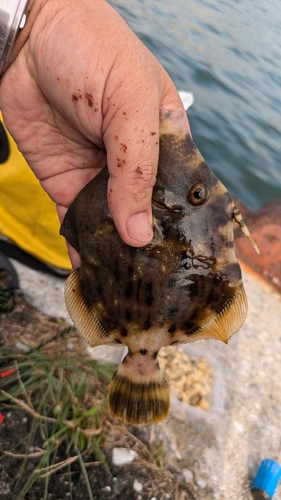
266, 480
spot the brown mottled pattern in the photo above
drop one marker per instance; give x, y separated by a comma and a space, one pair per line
171, 283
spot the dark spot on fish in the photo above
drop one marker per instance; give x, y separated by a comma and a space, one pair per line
116, 271
147, 323
173, 311
166, 230
86, 226
139, 286
189, 327
124, 332
172, 329
130, 269
89, 98
143, 352
128, 315
129, 290
149, 298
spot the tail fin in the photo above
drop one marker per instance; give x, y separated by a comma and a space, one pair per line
139, 399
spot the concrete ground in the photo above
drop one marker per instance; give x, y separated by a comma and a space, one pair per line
218, 458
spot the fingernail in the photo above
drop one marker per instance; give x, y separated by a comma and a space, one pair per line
139, 228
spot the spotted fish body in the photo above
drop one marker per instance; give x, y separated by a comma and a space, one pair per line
185, 285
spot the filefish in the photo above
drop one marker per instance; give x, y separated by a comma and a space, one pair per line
183, 286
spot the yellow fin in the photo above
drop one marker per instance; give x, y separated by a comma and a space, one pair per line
81, 314
139, 399
227, 321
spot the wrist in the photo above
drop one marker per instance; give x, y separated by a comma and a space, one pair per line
19, 17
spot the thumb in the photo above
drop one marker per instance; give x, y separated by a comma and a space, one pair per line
132, 156
132, 164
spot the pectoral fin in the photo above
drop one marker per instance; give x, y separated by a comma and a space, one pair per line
82, 315
226, 322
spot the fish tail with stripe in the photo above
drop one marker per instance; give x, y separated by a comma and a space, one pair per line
139, 399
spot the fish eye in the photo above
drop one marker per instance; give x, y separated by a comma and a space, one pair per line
198, 194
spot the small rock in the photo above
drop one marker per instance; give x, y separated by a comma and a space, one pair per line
121, 456
107, 488
22, 347
137, 486
187, 474
238, 427
200, 481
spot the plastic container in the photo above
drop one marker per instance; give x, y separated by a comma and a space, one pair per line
216, 396
266, 480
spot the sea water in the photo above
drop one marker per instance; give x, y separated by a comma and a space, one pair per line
228, 53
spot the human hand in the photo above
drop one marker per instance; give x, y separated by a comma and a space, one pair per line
83, 92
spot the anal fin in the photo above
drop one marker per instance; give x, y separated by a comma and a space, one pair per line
84, 319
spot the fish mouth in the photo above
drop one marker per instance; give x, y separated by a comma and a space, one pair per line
227, 321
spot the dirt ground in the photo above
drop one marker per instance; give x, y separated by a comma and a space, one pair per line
152, 475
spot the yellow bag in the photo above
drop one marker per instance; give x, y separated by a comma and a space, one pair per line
28, 216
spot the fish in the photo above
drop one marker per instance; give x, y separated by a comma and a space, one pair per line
184, 286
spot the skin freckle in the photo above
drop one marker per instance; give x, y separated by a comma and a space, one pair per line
123, 147
138, 170
152, 133
89, 98
116, 137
